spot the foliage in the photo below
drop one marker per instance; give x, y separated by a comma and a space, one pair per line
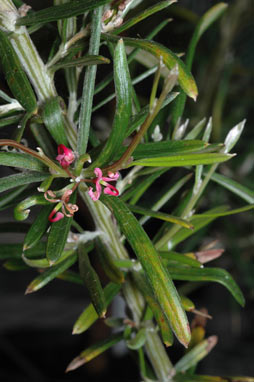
74, 165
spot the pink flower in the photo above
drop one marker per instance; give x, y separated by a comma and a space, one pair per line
103, 180
55, 216
65, 156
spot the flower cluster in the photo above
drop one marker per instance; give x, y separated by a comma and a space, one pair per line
103, 180
65, 157
68, 209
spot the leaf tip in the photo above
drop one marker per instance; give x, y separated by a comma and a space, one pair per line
75, 363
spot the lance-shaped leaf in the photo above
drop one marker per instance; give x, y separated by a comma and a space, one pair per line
164, 148
158, 314
183, 160
50, 274
235, 187
204, 23
91, 281
89, 83
11, 250
15, 75
11, 181
89, 315
208, 274
196, 354
38, 228
62, 11
22, 161
170, 59
93, 351
170, 257
123, 105
160, 281
83, 61
58, 235
161, 215
53, 117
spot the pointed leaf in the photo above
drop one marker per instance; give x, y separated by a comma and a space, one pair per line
50, 274
91, 281
93, 351
196, 354
21, 160
53, 117
159, 279
11, 181
170, 59
89, 315
63, 11
182, 160
123, 107
235, 187
15, 75
208, 274
83, 61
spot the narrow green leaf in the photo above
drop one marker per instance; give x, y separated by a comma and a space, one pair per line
11, 181
179, 259
159, 279
196, 354
161, 215
89, 315
143, 15
91, 281
208, 274
22, 161
227, 213
236, 188
93, 351
170, 59
166, 196
9, 251
123, 107
83, 61
184, 233
204, 23
182, 160
58, 236
164, 148
89, 84
15, 75
158, 313
50, 274
22, 209
63, 11
53, 117
138, 341
38, 228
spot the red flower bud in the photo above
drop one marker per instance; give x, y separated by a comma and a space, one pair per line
65, 156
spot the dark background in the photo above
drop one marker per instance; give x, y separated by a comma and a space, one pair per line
36, 343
